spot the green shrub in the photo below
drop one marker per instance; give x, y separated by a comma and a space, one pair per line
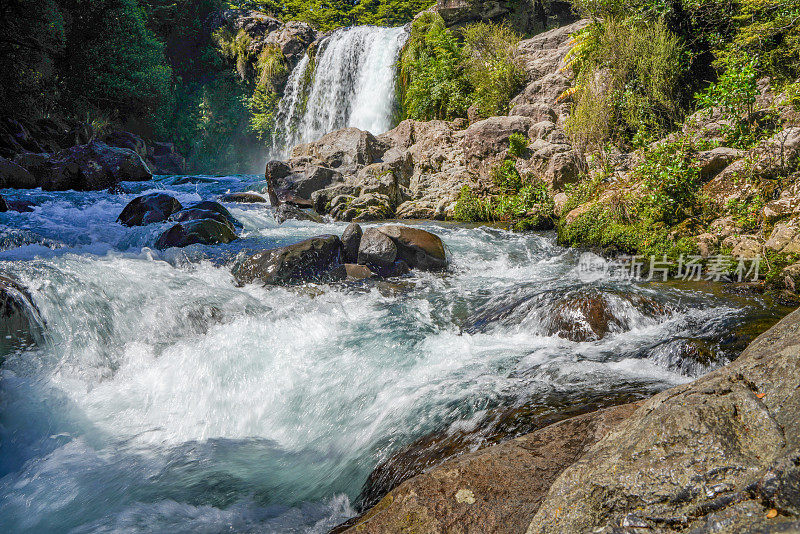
432, 83
525, 202
671, 176
491, 66
470, 208
518, 145
627, 82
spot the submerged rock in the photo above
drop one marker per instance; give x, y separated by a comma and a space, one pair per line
210, 205
243, 198
203, 232
20, 321
307, 261
197, 214
149, 209
284, 212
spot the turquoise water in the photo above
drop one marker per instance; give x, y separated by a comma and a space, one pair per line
166, 399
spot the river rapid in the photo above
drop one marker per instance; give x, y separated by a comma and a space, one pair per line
164, 398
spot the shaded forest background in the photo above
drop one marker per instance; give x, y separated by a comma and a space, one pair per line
151, 67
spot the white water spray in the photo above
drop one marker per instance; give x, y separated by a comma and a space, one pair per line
351, 83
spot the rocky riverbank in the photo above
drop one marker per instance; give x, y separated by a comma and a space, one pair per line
717, 455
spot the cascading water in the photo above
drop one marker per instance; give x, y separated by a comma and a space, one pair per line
350, 82
164, 398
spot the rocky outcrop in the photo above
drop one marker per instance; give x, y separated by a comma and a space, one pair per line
149, 209
161, 158
89, 167
716, 455
292, 38
497, 489
418, 169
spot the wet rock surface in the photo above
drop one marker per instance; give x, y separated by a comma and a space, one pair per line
493, 490
701, 453
203, 231
20, 322
307, 261
149, 209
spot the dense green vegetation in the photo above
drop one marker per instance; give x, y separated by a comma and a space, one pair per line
445, 71
326, 15
643, 67
522, 201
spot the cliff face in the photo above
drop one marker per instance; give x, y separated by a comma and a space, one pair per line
720, 454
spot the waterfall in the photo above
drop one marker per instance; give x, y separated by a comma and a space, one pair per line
349, 82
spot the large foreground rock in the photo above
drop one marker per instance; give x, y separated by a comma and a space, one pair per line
496, 489
307, 261
716, 455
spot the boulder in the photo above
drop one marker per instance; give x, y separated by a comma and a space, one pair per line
284, 212
210, 205
127, 140
243, 198
785, 238
377, 249
202, 231
351, 240
715, 455
89, 167
306, 180
308, 261
167, 164
341, 148
149, 209
744, 246
418, 248
15, 176
489, 138
496, 489
198, 214
712, 162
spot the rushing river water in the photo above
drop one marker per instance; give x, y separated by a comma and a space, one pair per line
166, 399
